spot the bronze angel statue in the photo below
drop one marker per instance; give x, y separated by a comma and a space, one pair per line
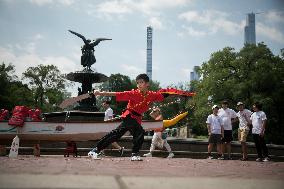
88, 58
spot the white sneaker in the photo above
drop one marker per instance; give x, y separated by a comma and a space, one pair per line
210, 157
148, 155
266, 159
258, 160
220, 158
90, 154
171, 155
136, 158
93, 155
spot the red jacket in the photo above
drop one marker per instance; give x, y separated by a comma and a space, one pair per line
137, 102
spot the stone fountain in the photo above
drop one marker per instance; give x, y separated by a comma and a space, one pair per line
87, 109
87, 76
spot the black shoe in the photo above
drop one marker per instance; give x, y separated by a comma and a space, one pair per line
244, 159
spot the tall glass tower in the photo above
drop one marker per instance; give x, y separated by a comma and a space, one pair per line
250, 29
195, 75
149, 52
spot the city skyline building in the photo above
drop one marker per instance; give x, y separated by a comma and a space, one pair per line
194, 75
250, 29
149, 52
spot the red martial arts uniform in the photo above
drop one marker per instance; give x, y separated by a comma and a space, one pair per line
131, 118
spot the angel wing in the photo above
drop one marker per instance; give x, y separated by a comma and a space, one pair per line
79, 35
98, 40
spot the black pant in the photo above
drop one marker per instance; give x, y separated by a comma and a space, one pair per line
260, 146
127, 124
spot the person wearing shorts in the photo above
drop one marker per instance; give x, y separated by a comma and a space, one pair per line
215, 132
244, 127
228, 116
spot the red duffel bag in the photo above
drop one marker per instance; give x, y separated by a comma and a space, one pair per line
35, 114
18, 116
4, 114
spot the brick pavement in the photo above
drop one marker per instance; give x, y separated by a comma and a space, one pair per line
116, 172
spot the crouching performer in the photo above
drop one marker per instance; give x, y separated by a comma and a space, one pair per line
139, 101
160, 138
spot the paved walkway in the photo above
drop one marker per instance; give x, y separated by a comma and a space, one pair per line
59, 172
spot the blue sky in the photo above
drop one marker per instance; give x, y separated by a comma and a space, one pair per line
185, 33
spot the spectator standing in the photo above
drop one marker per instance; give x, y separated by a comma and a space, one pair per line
258, 119
244, 127
228, 116
215, 132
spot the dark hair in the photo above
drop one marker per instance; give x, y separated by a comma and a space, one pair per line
258, 105
225, 102
107, 102
143, 76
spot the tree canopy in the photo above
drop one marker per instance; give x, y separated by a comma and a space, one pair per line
250, 75
47, 84
46, 87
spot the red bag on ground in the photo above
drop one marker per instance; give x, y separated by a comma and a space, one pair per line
4, 114
19, 115
35, 114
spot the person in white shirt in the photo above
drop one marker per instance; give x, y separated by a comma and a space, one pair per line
228, 116
215, 132
108, 111
109, 116
258, 119
244, 127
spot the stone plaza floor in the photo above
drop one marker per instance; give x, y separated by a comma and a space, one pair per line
119, 172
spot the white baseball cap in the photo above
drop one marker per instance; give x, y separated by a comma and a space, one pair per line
240, 103
215, 106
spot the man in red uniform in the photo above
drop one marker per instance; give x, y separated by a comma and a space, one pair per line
138, 103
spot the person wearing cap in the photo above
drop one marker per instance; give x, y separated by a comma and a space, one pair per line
258, 120
160, 137
215, 132
228, 116
244, 127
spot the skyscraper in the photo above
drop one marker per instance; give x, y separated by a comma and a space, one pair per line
149, 52
250, 29
195, 75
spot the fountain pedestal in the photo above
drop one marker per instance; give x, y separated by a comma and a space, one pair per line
87, 77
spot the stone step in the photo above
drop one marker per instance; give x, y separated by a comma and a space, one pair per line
189, 147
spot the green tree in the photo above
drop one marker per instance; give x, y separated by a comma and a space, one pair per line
13, 92
5, 79
116, 83
20, 94
47, 85
253, 74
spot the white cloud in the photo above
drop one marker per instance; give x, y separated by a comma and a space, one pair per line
153, 7
270, 32
115, 7
41, 2
213, 21
274, 16
156, 23
131, 71
38, 36
22, 62
192, 32
46, 2
149, 7
119, 9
